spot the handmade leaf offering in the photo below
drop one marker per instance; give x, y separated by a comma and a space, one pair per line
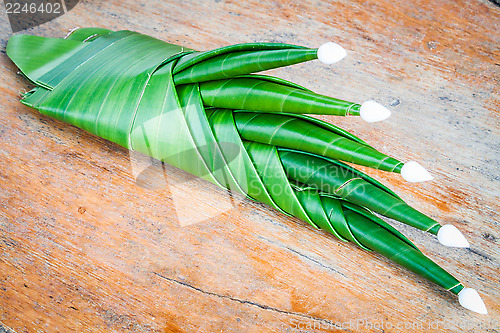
210, 115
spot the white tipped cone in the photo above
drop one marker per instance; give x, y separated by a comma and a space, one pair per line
449, 235
372, 111
470, 299
413, 172
330, 53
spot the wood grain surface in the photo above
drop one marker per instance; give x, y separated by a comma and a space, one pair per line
94, 239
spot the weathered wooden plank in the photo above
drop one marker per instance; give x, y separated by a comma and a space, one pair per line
85, 247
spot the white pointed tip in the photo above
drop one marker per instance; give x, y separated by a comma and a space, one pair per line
372, 111
330, 53
413, 172
470, 299
449, 235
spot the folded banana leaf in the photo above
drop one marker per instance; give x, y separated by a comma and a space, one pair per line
210, 115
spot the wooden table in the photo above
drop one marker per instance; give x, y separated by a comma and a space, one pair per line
85, 246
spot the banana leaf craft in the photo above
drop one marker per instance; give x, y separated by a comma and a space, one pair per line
210, 115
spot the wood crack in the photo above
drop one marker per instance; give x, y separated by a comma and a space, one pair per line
246, 302
316, 261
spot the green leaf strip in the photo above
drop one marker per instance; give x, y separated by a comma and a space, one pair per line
332, 178
383, 241
229, 62
267, 163
347, 169
87, 34
261, 95
36, 56
298, 133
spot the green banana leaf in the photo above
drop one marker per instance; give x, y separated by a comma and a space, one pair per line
298, 133
387, 243
255, 94
87, 34
208, 114
237, 60
332, 178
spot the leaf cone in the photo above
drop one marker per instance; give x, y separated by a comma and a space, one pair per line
206, 113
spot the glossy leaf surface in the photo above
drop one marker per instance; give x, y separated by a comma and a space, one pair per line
208, 114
